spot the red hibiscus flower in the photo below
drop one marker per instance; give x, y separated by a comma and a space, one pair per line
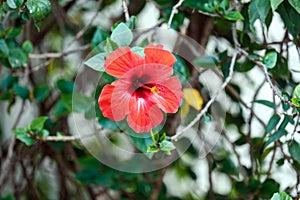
144, 90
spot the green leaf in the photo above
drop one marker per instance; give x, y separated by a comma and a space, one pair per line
206, 62
281, 196
38, 9
21, 91
275, 4
297, 91
274, 120
8, 82
13, 4
140, 51
38, 123
234, 16
60, 109
122, 35
44, 133
22, 135
12, 32
275, 136
97, 62
295, 4
166, 145
110, 45
152, 148
65, 86
131, 22
4, 51
27, 46
296, 102
265, 102
108, 123
263, 8
98, 37
76, 102
252, 13
270, 59
268, 187
294, 150
17, 57
181, 70
41, 92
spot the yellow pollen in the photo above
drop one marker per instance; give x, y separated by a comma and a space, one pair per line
154, 90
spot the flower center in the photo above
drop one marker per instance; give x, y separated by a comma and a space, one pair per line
149, 87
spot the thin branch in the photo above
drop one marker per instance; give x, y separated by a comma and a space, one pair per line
82, 31
8, 161
268, 79
125, 10
60, 54
59, 138
174, 11
210, 102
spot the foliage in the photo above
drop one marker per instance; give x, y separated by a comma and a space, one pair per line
41, 43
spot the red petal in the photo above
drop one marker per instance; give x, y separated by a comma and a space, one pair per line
149, 73
143, 116
114, 100
155, 54
121, 61
168, 96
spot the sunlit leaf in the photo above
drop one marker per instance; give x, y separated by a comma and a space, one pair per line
38, 123
234, 16
275, 4
122, 35
193, 98
295, 4
96, 62
270, 59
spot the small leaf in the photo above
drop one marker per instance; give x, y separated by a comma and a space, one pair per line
297, 91
275, 136
110, 45
181, 71
96, 62
65, 86
4, 51
193, 98
265, 102
234, 16
166, 145
295, 4
27, 46
22, 135
274, 120
275, 4
13, 4
131, 22
263, 8
122, 35
294, 150
41, 92
206, 62
281, 196
38, 123
152, 148
296, 102
21, 91
270, 59
44, 133
140, 51
76, 102
98, 37
17, 57
38, 9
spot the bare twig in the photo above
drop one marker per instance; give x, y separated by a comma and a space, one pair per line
268, 79
82, 31
60, 54
125, 10
8, 161
210, 102
59, 138
174, 11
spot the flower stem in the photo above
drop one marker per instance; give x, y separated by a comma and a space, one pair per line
152, 136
